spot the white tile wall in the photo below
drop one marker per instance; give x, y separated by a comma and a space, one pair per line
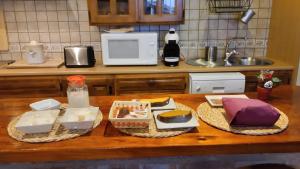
59, 23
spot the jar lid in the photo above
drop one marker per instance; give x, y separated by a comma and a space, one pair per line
77, 80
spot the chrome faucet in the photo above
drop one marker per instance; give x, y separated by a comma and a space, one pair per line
228, 53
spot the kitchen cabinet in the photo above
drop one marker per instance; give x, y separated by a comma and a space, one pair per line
159, 11
104, 85
251, 78
120, 12
45, 86
112, 11
97, 85
151, 84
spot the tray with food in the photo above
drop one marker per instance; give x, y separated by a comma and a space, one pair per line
136, 118
130, 114
175, 119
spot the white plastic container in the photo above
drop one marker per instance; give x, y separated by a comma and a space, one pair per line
79, 118
37, 121
48, 104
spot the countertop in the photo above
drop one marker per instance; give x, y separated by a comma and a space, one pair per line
160, 68
105, 142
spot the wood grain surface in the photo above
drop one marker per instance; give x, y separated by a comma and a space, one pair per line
105, 142
3, 33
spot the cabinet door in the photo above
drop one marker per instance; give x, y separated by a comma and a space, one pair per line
30, 87
150, 84
97, 85
112, 11
161, 11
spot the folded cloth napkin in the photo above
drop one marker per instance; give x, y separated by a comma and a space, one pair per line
249, 112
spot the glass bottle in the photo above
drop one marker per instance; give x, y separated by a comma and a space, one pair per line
77, 92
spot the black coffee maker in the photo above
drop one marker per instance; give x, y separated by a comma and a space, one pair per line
171, 53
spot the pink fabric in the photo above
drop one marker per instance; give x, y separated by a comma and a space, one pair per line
249, 112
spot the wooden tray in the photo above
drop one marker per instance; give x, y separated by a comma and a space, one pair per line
22, 64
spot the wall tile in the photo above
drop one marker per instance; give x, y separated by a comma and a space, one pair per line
60, 23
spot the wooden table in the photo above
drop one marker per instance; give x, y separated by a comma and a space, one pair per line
105, 142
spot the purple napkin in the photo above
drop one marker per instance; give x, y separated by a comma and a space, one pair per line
249, 112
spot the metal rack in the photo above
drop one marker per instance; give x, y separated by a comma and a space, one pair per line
229, 6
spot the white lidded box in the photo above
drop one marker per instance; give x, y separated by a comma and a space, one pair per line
130, 121
37, 121
79, 118
47, 104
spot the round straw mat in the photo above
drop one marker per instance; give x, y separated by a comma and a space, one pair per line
58, 132
216, 117
153, 132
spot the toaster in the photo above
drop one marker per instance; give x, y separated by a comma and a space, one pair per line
79, 56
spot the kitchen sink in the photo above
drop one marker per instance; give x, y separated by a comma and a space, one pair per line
233, 61
249, 61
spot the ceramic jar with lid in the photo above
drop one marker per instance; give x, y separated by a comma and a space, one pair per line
34, 53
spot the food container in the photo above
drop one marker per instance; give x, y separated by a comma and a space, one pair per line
47, 104
79, 118
131, 120
37, 121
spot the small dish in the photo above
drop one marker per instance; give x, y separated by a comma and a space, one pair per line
216, 100
193, 122
37, 121
79, 118
47, 104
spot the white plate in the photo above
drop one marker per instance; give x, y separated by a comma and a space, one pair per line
161, 125
211, 99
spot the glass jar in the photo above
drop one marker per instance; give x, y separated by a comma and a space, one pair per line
77, 92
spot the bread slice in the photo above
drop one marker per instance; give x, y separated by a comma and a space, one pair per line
175, 116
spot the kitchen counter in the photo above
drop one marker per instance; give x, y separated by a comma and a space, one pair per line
160, 68
105, 142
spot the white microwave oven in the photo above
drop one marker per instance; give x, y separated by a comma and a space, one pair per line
129, 48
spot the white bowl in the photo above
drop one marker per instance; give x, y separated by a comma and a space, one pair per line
37, 121
79, 118
48, 104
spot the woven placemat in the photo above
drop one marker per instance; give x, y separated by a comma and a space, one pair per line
153, 132
58, 132
216, 117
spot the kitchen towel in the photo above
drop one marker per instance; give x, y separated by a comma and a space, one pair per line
249, 112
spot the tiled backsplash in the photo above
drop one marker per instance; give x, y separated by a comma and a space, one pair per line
59, 23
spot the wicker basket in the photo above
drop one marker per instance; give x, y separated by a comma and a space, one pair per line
129, 122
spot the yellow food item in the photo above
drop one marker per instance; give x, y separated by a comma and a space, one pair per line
175, 116
175, 113
158, 102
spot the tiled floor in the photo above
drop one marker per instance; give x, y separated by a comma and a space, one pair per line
281, 161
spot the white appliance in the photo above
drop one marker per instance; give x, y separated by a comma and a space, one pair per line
129, 48
204, 83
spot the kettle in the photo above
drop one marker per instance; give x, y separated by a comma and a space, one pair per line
34, 53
